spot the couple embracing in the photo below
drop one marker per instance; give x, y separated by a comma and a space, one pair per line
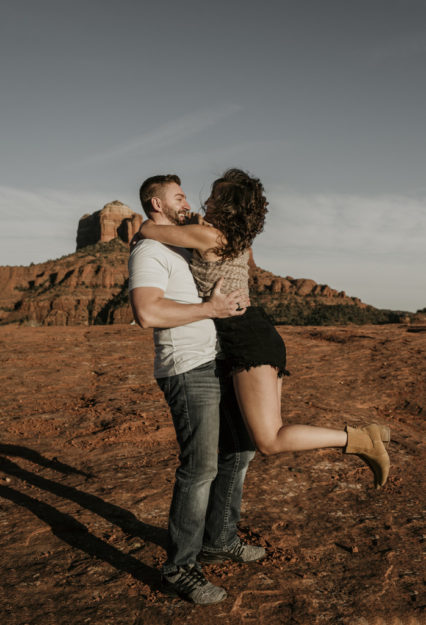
220, 364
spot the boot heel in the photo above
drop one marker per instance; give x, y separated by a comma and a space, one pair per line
385, 434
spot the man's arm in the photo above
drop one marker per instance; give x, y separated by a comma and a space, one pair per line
152, 310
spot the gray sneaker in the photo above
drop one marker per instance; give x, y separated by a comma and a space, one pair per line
240, 552
189, 583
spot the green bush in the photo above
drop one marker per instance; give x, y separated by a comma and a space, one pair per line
306, 313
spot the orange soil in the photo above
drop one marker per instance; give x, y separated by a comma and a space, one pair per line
87, 465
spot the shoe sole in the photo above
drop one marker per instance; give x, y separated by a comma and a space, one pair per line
169, 592
208, 560
215, 559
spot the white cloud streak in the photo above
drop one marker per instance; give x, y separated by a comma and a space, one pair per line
344, 224
371, 247
19, 204
166, 135
41, 224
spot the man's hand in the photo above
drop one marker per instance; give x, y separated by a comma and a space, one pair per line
231, 305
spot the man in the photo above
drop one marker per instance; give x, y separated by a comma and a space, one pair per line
207, 494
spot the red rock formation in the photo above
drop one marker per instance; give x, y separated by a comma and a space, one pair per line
90, 286
264, 282
114, 220
74, 290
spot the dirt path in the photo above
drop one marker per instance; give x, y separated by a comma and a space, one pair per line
87, 461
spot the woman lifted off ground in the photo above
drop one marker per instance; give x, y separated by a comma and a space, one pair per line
254, 352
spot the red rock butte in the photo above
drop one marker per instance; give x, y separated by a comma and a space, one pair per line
115, 220
90, 286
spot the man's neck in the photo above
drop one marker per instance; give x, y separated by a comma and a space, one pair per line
160, 220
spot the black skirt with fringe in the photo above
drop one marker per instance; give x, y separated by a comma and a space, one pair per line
250, 340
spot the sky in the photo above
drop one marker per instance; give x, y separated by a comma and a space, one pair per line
323, 100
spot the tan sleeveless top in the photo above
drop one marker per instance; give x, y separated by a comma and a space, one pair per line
207, 272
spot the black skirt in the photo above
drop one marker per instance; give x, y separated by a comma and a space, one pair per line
250, 340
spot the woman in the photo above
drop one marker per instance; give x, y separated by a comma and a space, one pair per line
254, 352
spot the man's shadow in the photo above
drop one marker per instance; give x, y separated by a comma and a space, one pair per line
66, 527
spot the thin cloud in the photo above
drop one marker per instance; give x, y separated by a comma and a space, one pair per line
167, 134
344, 224
363, 245
370, 247
41, 224
20, 205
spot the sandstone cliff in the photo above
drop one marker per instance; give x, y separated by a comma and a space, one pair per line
115, 220
73, 290
90, 286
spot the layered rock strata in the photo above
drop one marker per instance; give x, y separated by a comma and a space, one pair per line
114, 220
74, 290
90, 286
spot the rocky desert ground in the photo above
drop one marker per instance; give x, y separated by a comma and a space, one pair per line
88, 456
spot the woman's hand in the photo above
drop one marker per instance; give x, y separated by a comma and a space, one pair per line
196, 218
145, 228
139, 234
135, 240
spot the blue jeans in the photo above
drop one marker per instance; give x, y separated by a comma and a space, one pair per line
215, 450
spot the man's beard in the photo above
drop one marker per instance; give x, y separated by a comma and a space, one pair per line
177, 218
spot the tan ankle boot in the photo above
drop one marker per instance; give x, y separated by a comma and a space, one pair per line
367, 443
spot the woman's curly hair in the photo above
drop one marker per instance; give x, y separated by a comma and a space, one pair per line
239, 211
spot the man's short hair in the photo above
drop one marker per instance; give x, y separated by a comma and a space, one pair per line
151, 186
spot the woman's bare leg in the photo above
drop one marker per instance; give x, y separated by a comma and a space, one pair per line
259, 396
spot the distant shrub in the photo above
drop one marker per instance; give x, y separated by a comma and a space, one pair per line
297, 312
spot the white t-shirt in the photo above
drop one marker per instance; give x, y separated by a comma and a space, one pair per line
185, 347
